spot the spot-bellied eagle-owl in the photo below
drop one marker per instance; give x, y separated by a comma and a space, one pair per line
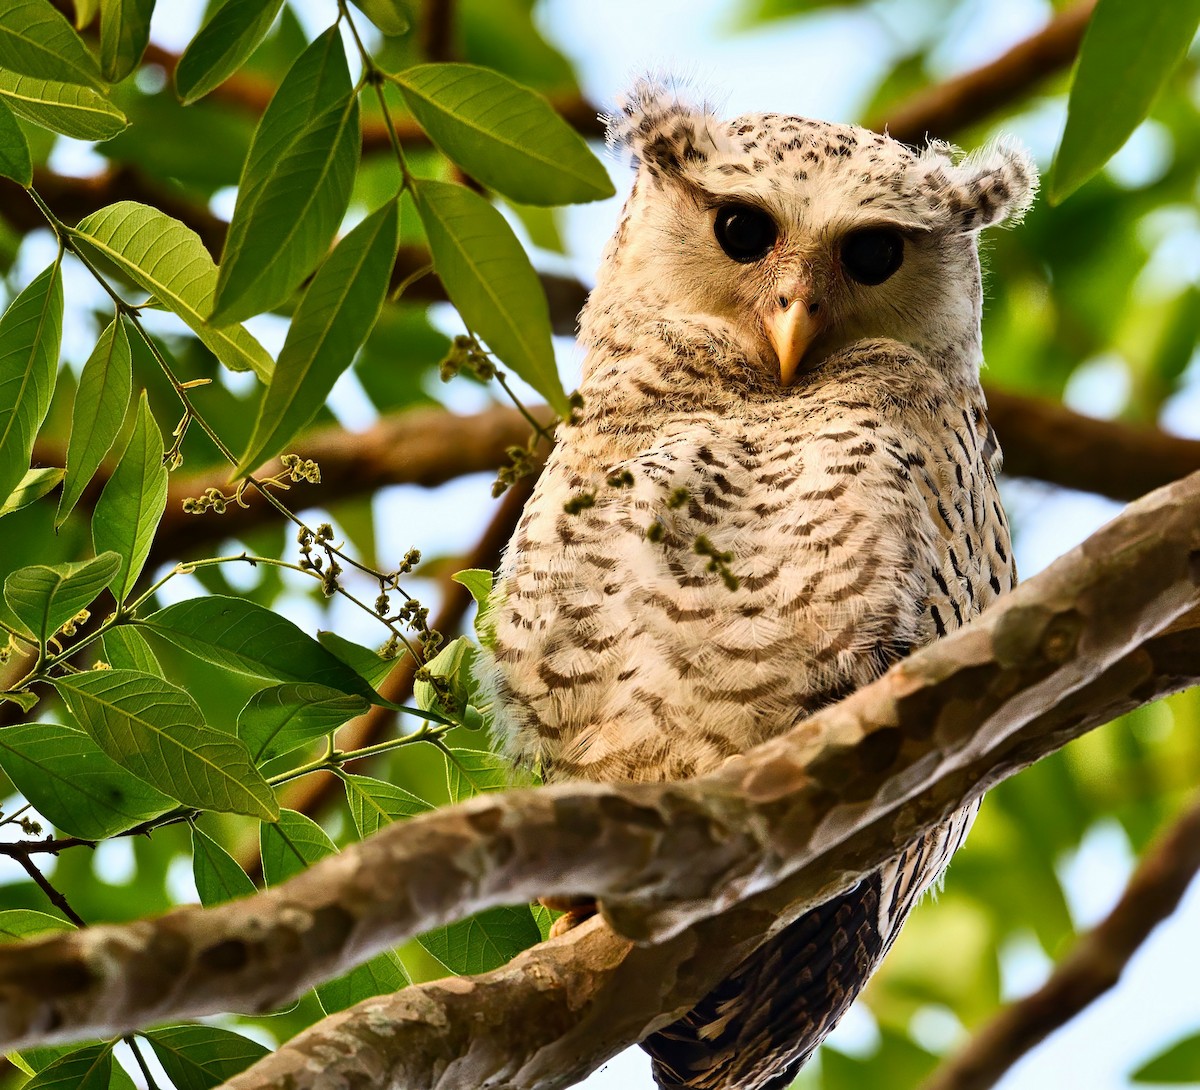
781, 480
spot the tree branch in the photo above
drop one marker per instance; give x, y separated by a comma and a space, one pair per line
825, 803
1092, 968
966, 100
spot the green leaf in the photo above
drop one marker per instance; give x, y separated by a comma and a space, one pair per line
223, 45
14, 149
1178, 1065
503, 134
478, 582
453, 662
61, 107
1129, 51
362, 660
125, 648
20, 923
201, 1057
32, 487
218, 876
155, 730
292, 845
376, 803
250, 639
388, 15
36, 40
124, 34
45, 598
133, 501
289, 205
281, 718
99, 410
74, 784
167, 259
483, 942
89, 1068
332, 321
382, 975
491, 282
30, 331
472, 772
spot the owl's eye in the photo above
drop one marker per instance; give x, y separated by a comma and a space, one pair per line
745, 233
871, 255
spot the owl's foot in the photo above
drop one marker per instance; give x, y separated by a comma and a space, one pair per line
574, 911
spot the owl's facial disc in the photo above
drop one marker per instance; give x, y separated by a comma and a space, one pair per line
792, 322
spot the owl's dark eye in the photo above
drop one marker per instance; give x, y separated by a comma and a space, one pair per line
745, 233
871, 255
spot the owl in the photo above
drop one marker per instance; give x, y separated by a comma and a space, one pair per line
781, 481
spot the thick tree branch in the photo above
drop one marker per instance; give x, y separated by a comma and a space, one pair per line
966, 100
828, 801
1092, 968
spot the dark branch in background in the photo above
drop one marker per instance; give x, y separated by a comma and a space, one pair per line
1041, 439
1092, 968
966, 100
311, 794
1113, 624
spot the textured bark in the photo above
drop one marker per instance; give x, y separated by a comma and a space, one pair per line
1086, 639
1092, 968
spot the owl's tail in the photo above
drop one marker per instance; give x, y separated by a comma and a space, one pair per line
760, 1025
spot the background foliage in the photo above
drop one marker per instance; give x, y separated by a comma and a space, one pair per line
169, 677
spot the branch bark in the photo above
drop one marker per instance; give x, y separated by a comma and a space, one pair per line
1092, 968
1089, 638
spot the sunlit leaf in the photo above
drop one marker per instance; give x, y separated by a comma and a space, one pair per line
155, 730
295, 186
99, 410
475, 771
291, 845
218, 876
124, 33
333, 319
223, 45
89, 1068
483, 942
61, 107
70, 781
376, 803
30, 331
1178, 1065
14, 149
281, 718
388, 15
1129, 51
453, 663
362, 660
201, 1057
45, 597
503, 134
133, 500
491, 282
36, 40
32, 487
125, 648
20, 923
238, 635
382, 975
168, 260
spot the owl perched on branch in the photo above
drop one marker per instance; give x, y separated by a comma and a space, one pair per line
781, 481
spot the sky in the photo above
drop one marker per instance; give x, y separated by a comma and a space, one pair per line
824, 66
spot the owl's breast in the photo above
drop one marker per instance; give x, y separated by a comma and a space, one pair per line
659, 613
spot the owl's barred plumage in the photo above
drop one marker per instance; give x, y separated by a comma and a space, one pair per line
714, 553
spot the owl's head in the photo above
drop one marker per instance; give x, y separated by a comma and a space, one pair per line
801, 237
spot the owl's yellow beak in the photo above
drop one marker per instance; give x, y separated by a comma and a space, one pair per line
791, 327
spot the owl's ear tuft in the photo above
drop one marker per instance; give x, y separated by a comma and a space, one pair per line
995, 185
660, 131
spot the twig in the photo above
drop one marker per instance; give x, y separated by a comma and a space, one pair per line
1092, 968
54, 896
